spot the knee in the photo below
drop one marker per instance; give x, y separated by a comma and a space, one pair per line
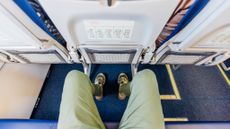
146, 74
144, 82
75, 79
145, 77
74, 74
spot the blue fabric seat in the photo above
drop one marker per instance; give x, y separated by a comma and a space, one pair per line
193, 11
26, 6
49, 124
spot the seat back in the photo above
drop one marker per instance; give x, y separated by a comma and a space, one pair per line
25, 38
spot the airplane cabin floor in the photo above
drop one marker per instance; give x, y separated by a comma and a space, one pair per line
189, 93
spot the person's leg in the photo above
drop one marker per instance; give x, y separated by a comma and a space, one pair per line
144, 110
78, 109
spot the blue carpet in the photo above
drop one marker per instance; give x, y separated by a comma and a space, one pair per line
205, 95
227, 63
